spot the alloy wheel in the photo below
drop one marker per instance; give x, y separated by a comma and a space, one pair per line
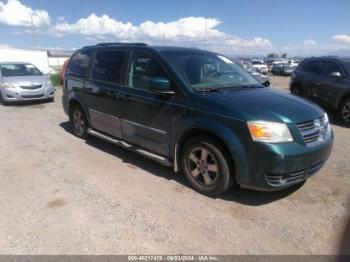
203, 166
346, 112
78, 122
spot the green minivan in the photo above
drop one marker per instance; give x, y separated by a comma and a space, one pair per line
198, 112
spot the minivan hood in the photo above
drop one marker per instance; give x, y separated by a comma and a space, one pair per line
263, 104
25, 80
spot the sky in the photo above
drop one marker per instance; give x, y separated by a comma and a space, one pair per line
240, 27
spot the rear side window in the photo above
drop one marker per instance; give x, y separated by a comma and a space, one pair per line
79, 64
108, 66
314, 67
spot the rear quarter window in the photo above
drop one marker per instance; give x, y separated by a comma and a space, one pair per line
79, 64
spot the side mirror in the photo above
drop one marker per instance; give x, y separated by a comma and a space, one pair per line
160, 85
336, 75
266, 83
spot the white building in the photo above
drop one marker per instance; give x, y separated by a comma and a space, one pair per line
57, 58
47, 61
38, 58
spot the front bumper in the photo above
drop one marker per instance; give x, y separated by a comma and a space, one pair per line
18, 94
278, 166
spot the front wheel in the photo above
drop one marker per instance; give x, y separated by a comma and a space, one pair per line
345, 111
79, 122
207, 166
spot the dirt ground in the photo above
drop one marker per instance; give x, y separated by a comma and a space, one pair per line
63, 195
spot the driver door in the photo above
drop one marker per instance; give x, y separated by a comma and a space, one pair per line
147, 117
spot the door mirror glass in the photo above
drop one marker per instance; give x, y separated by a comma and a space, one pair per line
336, 75
160, 85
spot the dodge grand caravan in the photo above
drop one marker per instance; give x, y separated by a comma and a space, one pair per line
197, 111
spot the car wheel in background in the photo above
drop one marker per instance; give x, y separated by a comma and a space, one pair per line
207, 166
296, 90
344, 111
79, 122
2, 102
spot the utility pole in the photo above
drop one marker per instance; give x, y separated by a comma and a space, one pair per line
205, 33
33, 32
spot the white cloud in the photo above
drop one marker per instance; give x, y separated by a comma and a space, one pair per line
188, 30
14, 13
94, 25
342, 38
255, 42
310, 43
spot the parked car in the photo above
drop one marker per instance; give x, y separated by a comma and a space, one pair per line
63, 70
293, 63
247, 65
24, 82
282, 69
271, 63
197, 111
325, 80
260, 66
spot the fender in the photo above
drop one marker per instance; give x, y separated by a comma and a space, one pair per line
222, 131
80, 100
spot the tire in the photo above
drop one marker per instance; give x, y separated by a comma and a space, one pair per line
2, 102
207, 166
79, 122
344, 111
296, 90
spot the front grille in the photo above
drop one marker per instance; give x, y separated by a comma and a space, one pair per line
32, 96
293, 176
31, 87
314, 131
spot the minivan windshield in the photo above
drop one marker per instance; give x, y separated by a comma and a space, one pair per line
208, 71
8, 70
347, 67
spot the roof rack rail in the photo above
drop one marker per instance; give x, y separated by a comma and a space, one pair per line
111, 44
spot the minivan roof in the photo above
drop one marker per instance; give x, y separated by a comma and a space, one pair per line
329, 58
145, 46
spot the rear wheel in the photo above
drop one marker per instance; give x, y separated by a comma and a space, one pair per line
79, 122
296, 90
344, 111
206, 166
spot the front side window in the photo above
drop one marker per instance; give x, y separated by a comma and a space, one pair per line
209, 71
8, 70
331, 67
347, 67
79, 64
107, 66
142, 69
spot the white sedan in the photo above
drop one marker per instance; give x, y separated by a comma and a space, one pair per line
260, 66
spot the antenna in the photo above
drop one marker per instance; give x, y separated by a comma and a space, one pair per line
205, 32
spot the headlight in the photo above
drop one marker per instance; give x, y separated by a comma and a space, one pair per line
6, 85
269, 132
48, 81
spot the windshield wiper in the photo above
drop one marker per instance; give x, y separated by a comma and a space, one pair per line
227, 88
213, 89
